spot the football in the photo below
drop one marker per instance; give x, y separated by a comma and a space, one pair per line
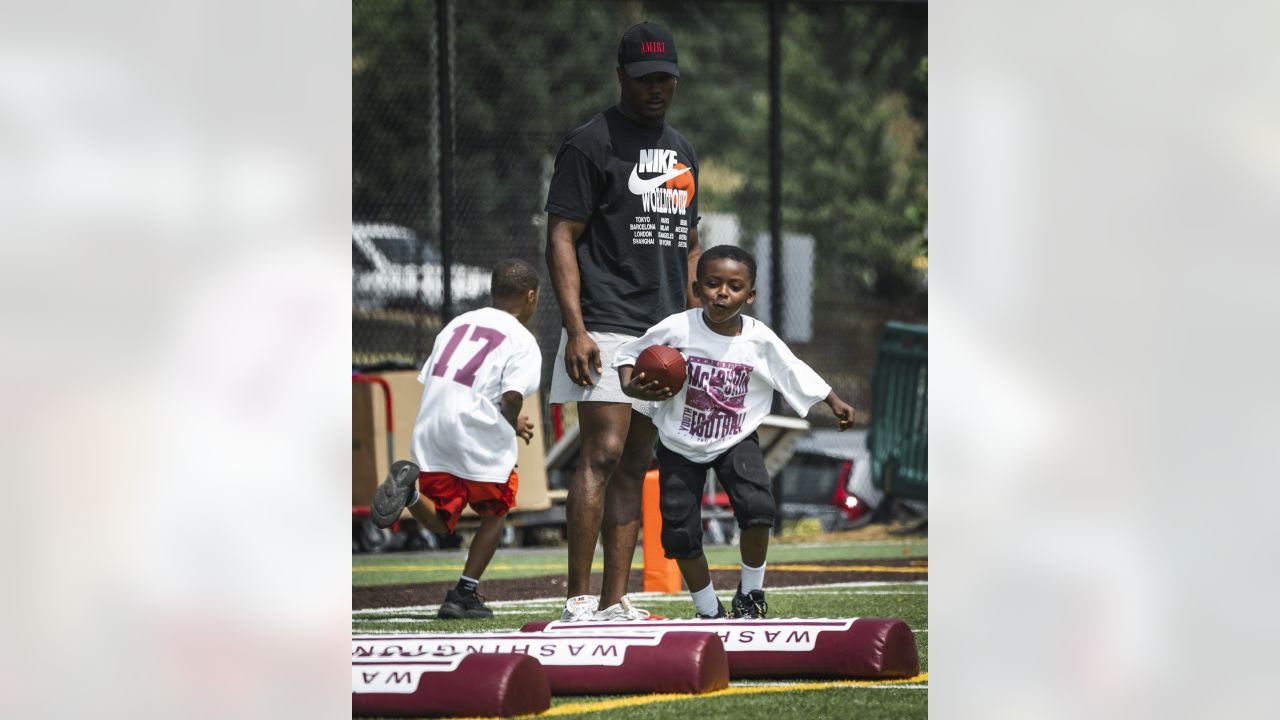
663, 363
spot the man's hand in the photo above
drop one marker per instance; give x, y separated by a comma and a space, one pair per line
581, 357
581, 354
842, 410
634, 385
524, 428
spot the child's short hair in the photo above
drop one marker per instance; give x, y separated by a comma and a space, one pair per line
730, 252
512, 278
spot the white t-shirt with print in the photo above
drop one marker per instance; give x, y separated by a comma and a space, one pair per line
730, 383
460, 429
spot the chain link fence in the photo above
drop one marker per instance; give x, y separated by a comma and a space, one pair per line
461, 151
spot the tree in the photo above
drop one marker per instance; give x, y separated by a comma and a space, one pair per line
854, 109
393, 111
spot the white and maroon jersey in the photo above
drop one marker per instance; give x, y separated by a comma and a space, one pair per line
730, 383
460, 429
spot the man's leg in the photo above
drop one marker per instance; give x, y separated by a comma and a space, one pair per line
603, 432
622, 508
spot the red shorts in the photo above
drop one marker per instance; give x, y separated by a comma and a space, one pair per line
450, 493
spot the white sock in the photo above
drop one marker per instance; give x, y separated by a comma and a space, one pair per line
467, 584
752, 578
705, 600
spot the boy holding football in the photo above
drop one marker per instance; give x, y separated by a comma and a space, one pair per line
734, 363
484, 364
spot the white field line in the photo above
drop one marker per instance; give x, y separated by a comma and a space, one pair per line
549, 602
774, 591
407, 621
434, 618
762, 683
868, 543
645, 596
684, 598
850, 584
414, 619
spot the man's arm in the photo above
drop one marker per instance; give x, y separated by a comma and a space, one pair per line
695, 251
581, 354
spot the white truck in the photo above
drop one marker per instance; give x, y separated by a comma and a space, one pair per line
385, 272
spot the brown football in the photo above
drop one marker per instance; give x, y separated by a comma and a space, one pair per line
660, 362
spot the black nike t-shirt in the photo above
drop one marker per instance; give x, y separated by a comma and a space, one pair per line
635, 188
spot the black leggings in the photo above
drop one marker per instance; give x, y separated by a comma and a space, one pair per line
742, 475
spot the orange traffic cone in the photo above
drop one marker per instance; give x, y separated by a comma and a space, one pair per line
661, 574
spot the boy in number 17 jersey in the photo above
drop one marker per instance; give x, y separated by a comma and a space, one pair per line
484, 364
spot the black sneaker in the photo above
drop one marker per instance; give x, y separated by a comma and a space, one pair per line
457, 606
750, 605
719, 613
393, 494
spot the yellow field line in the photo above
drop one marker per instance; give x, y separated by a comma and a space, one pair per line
834, 568
458, 568
561, 566
577, 708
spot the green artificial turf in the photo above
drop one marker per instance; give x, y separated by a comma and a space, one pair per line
905, 600
440, 566
424, 567
864, 703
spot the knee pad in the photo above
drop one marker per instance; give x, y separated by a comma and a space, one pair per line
678, 543
760, 507
755, 507
749, 489
681, 529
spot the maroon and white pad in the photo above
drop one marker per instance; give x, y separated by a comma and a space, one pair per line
864, 648
461, 685
596, 663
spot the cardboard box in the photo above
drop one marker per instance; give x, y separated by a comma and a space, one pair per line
369, 439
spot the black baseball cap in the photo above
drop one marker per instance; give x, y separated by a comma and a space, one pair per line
648, 48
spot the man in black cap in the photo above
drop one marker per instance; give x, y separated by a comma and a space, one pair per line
622, 239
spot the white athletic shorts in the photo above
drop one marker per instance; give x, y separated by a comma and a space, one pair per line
607, 387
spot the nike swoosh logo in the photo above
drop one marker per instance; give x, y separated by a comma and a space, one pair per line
643, 187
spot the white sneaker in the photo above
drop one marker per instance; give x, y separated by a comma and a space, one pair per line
580, 608
624, 610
